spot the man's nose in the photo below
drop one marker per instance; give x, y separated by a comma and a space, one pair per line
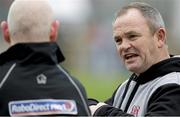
125, 45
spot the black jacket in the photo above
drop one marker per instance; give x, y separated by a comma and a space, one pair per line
32, 83
156, 92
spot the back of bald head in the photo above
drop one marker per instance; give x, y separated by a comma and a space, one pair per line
30, 20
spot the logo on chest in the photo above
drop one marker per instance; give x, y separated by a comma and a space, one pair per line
135, 110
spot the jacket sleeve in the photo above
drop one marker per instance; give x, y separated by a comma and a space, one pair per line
81, 87
165, 101
108, 110
79, 84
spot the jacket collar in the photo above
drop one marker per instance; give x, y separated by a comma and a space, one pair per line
160, 69
33, 53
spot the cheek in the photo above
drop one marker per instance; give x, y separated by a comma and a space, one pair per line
151, 49
147, 52
145, 47
119, 51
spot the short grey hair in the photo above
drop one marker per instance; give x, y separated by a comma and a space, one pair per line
152, 15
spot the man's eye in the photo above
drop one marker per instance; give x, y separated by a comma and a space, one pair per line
132, 36
118, 40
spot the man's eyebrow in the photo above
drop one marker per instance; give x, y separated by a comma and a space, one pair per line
132, 33
117, 37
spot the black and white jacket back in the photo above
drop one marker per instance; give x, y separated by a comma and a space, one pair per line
33, 83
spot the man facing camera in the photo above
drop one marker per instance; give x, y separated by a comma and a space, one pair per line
154, 86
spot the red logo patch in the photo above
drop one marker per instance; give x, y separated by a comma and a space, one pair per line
135, 110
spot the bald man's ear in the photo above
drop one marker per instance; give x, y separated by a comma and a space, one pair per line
54, 31
5, 31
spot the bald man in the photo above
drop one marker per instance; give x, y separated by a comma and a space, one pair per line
31, 81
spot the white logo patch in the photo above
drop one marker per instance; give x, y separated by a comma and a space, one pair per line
42, 107
41, 79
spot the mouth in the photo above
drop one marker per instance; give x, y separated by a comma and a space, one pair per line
130, 56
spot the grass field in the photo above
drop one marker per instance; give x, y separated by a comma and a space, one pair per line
100, 87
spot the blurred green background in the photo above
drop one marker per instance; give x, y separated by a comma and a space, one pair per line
85, 37
100, 89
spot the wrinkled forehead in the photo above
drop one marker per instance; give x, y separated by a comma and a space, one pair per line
130, 22
131, 17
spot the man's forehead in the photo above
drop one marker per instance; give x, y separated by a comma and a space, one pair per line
132, 17
129, 26
125, 33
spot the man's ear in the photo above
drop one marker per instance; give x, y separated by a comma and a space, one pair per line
5, 31
54, 31
161, 37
